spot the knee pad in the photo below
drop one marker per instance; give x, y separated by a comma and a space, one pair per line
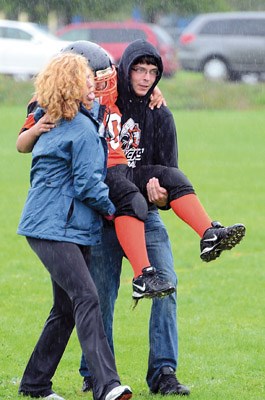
139, 206
176, 183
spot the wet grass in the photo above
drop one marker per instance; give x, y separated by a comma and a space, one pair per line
185, 91
221, 304
191, 91
13, 92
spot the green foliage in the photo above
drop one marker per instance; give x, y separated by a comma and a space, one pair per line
220, 304
150, 7
248, 5
38, 10
96, 10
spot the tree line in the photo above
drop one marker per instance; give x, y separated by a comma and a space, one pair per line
89, 10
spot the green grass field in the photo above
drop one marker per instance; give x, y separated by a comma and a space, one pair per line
221, 311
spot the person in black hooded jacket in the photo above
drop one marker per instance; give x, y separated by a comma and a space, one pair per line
150, 144
157, 146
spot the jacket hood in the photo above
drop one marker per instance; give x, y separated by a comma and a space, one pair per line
136, 49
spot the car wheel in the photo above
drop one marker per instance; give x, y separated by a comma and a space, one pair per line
216, 69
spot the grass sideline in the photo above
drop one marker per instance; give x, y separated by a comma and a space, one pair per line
191, 91
184, 91
221, 304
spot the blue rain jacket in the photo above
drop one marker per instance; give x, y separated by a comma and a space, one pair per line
68, 193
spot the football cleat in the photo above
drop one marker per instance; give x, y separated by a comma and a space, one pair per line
219, 238
149, 285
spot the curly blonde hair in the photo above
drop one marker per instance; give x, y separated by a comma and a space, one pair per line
60, 86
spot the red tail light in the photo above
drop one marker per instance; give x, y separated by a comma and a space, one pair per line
187, 38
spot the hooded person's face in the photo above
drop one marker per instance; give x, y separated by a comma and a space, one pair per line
143, 77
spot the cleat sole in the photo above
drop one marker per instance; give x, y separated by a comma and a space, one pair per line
163, 293
233, 238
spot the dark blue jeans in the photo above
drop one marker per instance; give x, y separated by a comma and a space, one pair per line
106, 261
75, 303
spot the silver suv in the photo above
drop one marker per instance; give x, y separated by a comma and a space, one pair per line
224, 45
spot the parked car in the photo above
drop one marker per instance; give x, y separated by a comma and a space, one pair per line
174, 24
114, 37
25, 48
224, 45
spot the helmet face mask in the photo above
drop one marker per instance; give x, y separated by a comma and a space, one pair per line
106, 85
104, 71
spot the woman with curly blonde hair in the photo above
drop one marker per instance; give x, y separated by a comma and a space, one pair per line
58, 95
61, 221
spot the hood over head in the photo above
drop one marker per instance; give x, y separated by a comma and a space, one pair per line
138, 48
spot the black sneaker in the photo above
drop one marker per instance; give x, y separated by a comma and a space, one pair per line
87, 384
219, 238
168, 384
150, 285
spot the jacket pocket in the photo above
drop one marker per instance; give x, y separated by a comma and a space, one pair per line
80, 217
42, 211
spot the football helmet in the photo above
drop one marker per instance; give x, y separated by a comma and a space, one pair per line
104, 71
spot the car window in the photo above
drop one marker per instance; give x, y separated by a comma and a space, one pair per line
254, 27
238, 27
13, 33
77, 34
116, 35
163, 36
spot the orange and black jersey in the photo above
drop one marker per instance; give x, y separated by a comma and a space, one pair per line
111, 123
29, 122
112, 127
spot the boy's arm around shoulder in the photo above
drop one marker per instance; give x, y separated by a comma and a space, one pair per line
32, 128
32, 131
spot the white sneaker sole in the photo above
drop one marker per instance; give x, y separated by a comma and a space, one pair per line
54, 396
119, 393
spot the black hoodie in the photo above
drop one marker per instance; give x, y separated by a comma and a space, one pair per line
148, 136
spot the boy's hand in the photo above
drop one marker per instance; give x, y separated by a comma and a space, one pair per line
157, 99
109, 217
43, 125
